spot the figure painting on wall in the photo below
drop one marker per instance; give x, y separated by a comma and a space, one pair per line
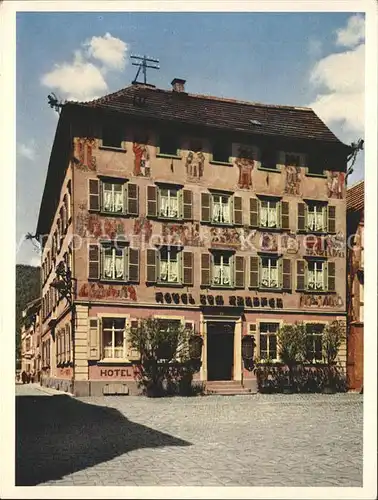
293, 181
83, 153
245, 163
336, 185
289, 243
225, 236
194, 164
268, 242
143, 226
186, 234
142, 160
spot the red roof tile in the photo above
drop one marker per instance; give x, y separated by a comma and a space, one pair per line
356, 197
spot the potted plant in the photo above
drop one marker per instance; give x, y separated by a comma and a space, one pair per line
332, 339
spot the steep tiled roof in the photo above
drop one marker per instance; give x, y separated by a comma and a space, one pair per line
289, 121
355, 197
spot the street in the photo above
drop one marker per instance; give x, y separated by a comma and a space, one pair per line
253, 440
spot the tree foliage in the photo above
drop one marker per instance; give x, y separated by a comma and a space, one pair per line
27, 289
291, 341
164, 364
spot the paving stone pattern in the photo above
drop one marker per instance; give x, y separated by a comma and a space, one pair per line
253, 440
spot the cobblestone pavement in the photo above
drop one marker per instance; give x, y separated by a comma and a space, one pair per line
253, 440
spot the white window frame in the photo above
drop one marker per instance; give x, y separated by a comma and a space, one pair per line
103, 250
221, 266
125, 317
178, 261
317, 208
316, 271
277, 207
324, 323
113, 184
177, 196
270, 267
269, 334
221, 207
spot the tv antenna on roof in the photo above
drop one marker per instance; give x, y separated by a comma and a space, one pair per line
144, 62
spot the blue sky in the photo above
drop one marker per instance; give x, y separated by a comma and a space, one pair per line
303, 59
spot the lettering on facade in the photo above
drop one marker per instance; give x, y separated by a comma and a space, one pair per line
100, 291
293, 179
328, 300
116, 372
218, 300
141, 160
326, 246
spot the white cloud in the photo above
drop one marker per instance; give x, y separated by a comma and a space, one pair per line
353, 34
27, 150
314, 47
82, 79
107, 49
339, 80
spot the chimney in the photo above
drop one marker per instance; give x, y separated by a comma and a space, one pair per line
178, 85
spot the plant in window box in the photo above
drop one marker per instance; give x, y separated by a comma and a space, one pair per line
292, 349
332, 339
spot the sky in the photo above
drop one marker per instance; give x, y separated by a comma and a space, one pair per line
300, 59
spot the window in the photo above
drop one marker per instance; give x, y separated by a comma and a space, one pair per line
169, 203
113, 198
268, 340
173, 347
314, 333
221, 152
168, 145
112, 136
316, 275
114, 338
269, 213
221, 209
316, 217
221, 272
169, 269
113, 263
269, 272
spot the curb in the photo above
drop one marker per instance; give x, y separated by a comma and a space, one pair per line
50, 391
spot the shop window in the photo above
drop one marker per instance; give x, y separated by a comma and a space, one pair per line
268, 341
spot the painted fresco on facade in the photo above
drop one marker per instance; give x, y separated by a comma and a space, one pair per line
326, 246
289, 243
293, 180
336, 185
187, 234
141, 160
268, 242
143, 228
194, 164
96, 226
245, 163
328, 300
99, 291
83, 152
226, 237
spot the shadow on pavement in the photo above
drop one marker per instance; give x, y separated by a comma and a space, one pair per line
59, 435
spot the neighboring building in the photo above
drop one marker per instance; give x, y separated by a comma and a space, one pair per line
30, 338
355, 228
189, 208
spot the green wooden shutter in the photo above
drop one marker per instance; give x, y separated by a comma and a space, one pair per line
152, 201
238, 211
239, 272
93, 339
68, 343
331, 280
133, 354
301, 275
94, 194
205, 269
254, 212
188, 268
133, 265
132, 191
187, 204
285, 219
331, 219
254, 272
94, 262
301, 216
286, 274
152, 263
205, 207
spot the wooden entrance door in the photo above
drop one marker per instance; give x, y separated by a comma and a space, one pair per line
220, 350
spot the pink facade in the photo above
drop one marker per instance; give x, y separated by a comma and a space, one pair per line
243, 259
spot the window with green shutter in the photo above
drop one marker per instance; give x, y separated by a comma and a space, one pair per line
254, 212
254, 272
205, 269
222, 270
331, 219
